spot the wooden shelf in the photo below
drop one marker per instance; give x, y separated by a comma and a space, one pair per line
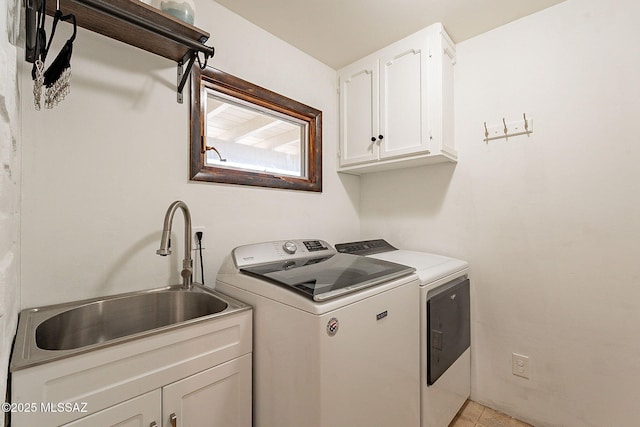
115, 28
131, 22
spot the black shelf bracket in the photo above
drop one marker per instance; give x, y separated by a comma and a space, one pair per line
183, 75
189, 59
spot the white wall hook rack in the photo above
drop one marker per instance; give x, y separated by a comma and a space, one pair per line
506, 129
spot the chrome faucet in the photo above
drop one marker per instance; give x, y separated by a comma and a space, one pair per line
187, 263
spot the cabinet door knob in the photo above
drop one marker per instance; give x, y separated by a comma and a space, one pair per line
373, 139
173, 419
153, 424
380, 137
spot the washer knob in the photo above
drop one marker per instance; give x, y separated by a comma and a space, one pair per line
290, 247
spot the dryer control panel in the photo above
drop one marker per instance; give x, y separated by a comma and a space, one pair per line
365, 247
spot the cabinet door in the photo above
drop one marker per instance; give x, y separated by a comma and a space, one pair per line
359, 112
403, 103
141, 411
217, 397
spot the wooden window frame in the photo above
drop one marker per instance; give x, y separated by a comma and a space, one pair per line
211, 79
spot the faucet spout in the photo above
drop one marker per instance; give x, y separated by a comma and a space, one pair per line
165, 249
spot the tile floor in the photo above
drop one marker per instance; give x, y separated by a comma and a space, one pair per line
473, 414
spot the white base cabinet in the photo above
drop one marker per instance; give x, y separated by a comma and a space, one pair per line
200, 374
217, 397
396, 105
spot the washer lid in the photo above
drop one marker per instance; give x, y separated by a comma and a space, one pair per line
329, 276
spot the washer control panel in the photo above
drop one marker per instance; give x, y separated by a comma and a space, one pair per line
261, 253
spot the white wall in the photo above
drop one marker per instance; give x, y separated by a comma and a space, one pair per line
9, 194
101, 169
550, 223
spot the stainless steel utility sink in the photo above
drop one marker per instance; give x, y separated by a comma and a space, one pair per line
109, 319
52, 332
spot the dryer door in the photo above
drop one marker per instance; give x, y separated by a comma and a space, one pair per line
448, 326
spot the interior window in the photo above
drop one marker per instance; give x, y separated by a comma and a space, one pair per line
245, 134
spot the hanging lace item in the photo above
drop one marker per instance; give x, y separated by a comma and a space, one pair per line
57, 78
38, 83
37, 72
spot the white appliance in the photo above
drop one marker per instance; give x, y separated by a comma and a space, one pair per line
445, 351
335, 335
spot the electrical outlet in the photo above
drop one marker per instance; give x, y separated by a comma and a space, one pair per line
520, 365
194, 238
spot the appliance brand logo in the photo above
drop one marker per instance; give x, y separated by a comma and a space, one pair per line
332, 326
382, 315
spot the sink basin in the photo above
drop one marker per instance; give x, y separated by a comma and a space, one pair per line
109, 319
53, 332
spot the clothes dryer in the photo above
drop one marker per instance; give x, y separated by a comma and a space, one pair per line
444, 304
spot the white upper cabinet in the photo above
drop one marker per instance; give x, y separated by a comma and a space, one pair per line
396, 105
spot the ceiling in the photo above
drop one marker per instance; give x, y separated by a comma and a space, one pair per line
337, 32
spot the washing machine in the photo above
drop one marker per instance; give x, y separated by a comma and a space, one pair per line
445, 343
335, 335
